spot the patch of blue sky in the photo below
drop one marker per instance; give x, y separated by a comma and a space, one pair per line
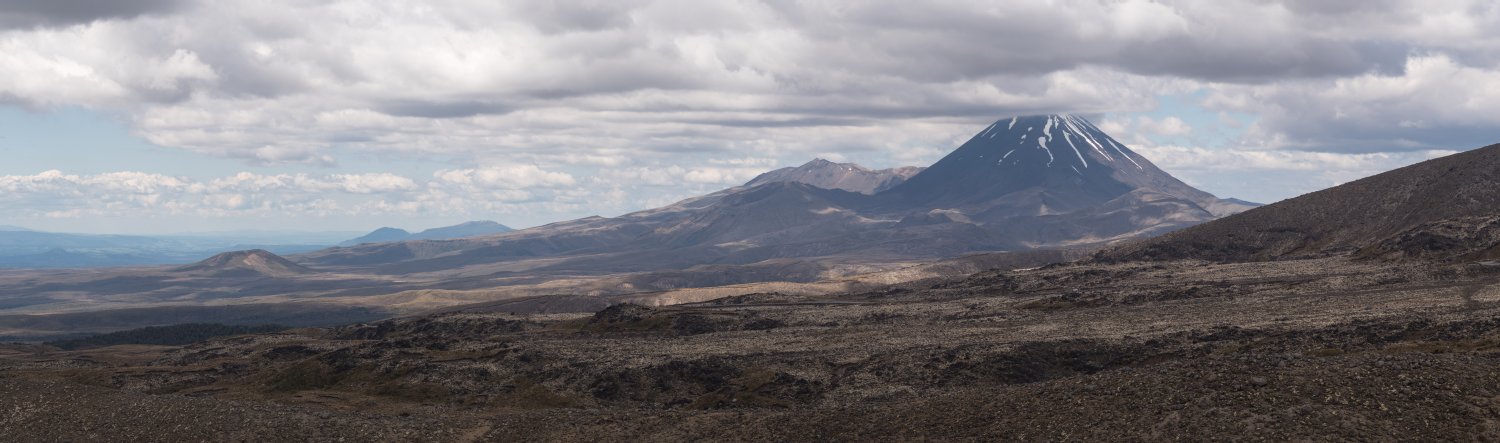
81, 141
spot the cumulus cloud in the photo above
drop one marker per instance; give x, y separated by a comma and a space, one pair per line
57, 194
505, 177
531, 101
1167, 126
1436, 103
1185, 158
1268, 176
674, 175
259, 81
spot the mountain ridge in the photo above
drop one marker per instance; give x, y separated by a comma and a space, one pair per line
845, 176
465, 229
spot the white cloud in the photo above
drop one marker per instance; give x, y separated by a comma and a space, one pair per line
505, 177
1183, 158
1167, 126
678, 176
135, 193
373, 183
722, 176
1437, 103
1268, 176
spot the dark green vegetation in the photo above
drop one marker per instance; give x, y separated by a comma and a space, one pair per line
164, 335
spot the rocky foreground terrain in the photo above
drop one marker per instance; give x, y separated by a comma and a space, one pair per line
1318, 349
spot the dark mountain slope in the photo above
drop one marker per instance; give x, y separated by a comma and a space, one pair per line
1427, 197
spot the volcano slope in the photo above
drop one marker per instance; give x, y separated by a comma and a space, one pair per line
1382, 338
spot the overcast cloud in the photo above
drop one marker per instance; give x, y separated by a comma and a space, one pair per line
532, 103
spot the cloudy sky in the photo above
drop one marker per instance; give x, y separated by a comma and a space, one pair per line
180, 115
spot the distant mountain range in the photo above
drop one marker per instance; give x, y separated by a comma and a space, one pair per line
1021, 183
467, 229
26, 248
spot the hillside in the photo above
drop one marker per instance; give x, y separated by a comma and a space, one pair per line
1437, 204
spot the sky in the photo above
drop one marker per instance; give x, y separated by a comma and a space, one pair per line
169, 116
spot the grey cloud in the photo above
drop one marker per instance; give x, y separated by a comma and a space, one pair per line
1187, 56
1339, 7
930, 42
783, 122
593, 15
1399, 132
442, 109
21, 14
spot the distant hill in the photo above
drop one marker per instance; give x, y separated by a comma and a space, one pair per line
467, 229
9, 228
379, 236
244, 263
845, 176
1444, 208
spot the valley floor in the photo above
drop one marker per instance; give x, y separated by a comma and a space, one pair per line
1312, 349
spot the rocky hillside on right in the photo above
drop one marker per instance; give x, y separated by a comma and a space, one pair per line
1442, 209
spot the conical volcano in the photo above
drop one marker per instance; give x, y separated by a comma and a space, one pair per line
1022, 182
1043, 165
254, 262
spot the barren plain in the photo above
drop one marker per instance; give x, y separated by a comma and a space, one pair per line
1327, 348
